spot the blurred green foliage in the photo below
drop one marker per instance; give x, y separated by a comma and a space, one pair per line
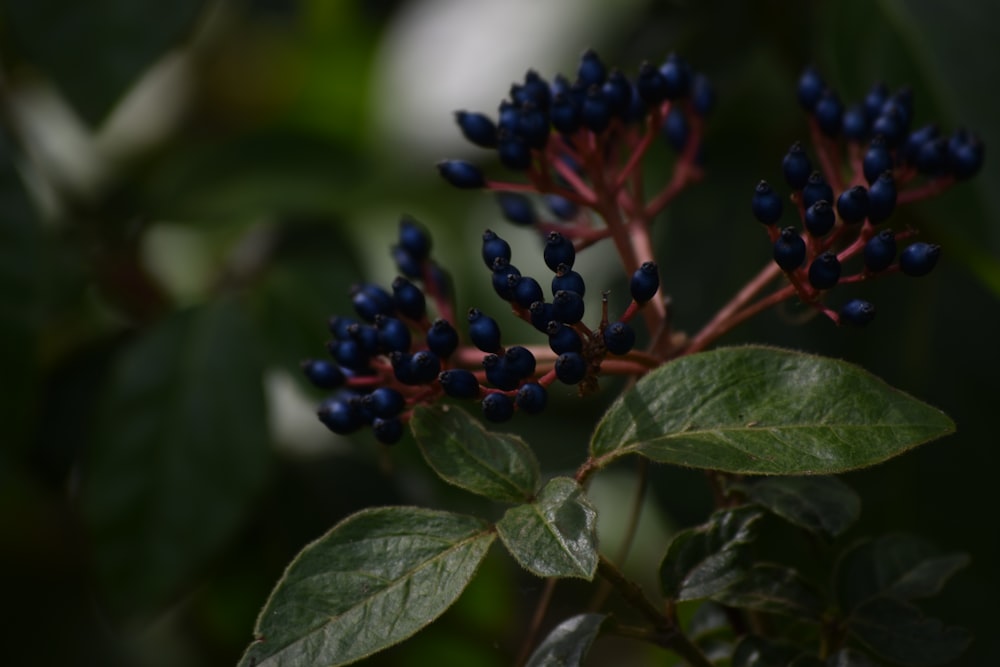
187, 190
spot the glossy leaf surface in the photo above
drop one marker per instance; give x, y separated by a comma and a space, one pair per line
568, 643
703, 561
375, 579
765, 410
554, 536
463, 453
773, 589
822, 505
899, 632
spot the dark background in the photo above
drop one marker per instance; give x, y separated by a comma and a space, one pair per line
187, 189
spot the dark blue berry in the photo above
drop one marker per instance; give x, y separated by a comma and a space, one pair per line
393, 334
520, 360
875, 100
558, 250
857, 312
619, 338
442, 339
766, 204
526, 291
322, 373
816, 188
459, 383
918, 259
462, 174
484, 331
567, 307
789, 249
702, 95
497, 407
493, 247
880, 250
852, 204
891, 124
564, 114
387, 431
349, 354
591, 70
651, 85
366, 336
370, 300
595, 113
517, 208
676, 75
810, 88
499, 374
877, 160
407, 264
513, 151
645, 282
903, 101
824, 272
408, 299
855, 123
829, 113
402, 368
796, 167
617, 92
477, 128
563, 338
384, 402
340, 326
819, 218
676, 128
505, 278
932, 157
541, 315
424, 366
881, 198
916, 139
561, 207
965, 154
340, 415
414, 238
570, 367
568, 279
531, 398
535, 90
533, 126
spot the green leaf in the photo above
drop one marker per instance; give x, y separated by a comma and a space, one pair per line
179, 454
555, 536
463, 453
774, 589
373, 580
568, 643
754, 651
897, 565
767, 411
823, 505
897, 631
846, 657
702, 561
94, 51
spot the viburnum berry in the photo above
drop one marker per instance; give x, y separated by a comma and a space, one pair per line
810, 88
829, 113
520, 360
531, 398
493, 247
880, 251
965, 154
442, 339
796, 167
645, 282
619, 338
484, 331
393, 334
857, 312
882, 198
567, 279
595, 112
370, 300
516, 208
855, 123
570, 367
819, 218
558, 251
918, 259
459, 383
499, 373
408, 299
388, 431
478, 128
766, 204
815, 189
562, 208
461, 174
540, 314
824, 272
513, 151
384, 402
852, 204
563, 338
526, 291
877, 159
676, 75
424, 367
617, 91
789, 249
497, 407
591, 70
567, 307
339, 414
322, 373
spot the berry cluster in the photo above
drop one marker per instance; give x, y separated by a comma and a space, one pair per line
870, 160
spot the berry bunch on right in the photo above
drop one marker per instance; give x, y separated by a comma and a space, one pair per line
870, 158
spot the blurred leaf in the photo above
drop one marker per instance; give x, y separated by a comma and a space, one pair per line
846, 657
19, 275
899, 566
373, 580
568, 643
807, 661
555, 536
179, 453
702, 561
897, 631
765, 410
773, 589
95, 51
754, 651
463, 453
822, 505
